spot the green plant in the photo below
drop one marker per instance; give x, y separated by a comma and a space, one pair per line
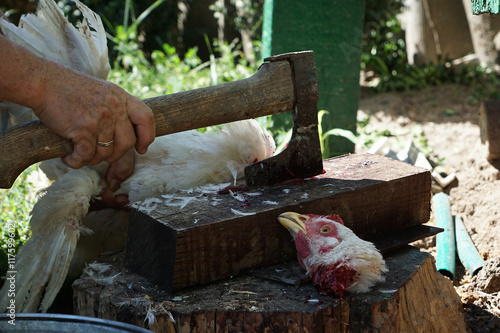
384, 53
367, 137
323, 137
15, 207
246, 15
484, 82
383, 45
164, 72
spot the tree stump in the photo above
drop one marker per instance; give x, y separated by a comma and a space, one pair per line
414, 298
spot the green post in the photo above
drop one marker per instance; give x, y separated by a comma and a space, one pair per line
485, 6
333, 29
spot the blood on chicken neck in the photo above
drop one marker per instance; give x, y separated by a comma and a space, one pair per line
332, 280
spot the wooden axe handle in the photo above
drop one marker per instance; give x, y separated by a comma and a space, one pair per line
269, 91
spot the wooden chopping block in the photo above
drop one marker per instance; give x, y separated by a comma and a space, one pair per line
414, 298
209, 239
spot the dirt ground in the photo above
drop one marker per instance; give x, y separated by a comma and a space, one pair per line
447, 118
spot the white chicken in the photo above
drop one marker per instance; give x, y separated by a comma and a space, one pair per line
173, 162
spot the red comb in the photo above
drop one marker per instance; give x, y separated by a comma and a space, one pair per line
336, 218
333, 217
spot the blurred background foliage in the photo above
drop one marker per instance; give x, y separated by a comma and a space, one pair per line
384, 58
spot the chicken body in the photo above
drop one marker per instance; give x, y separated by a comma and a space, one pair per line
173, 162
188, 159
334, 257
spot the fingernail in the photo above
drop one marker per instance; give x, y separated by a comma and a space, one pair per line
114, 185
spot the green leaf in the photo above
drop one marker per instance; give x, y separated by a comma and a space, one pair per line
343, 133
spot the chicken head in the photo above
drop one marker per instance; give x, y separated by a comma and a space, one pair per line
334, 257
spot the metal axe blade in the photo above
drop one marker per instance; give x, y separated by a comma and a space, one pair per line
302, 157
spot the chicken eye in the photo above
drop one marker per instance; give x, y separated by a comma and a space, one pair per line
325, 229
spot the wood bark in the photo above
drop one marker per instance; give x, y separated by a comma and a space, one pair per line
413, 20
435, 31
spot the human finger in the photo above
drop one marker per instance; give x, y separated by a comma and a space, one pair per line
105, 141
142, 117
115, 175
124, 139
120, 170
83, 152
108, 200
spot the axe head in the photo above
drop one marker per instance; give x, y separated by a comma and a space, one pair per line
302, 156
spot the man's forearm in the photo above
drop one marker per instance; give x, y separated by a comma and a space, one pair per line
22, 74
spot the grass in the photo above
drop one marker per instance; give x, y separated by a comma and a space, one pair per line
15, 207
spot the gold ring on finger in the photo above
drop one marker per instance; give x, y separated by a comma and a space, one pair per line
105, 144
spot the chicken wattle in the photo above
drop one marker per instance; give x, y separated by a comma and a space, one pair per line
334, 257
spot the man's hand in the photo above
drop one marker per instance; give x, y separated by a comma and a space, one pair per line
89, 111
116, 174
86, 110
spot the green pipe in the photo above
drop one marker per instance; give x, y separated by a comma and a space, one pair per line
467, 252
445, 241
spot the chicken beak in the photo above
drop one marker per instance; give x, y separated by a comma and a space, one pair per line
293, 222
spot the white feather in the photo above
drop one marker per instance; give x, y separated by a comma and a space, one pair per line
43, 262
49, 34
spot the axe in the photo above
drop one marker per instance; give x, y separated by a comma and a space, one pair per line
286, 82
